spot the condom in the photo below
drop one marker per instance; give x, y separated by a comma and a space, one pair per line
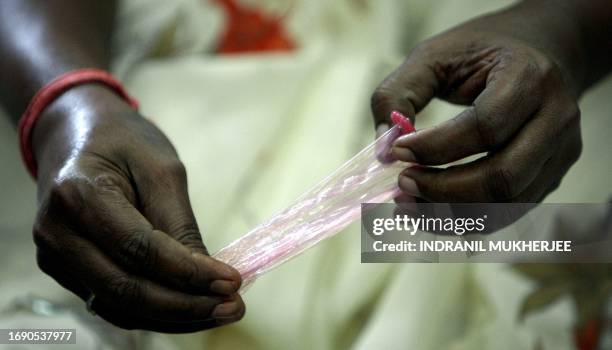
331, 205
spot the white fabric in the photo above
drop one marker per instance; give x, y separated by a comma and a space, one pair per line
257, 131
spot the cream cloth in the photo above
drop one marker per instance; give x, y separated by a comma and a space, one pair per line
257, 131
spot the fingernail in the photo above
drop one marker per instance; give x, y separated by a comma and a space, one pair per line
409, 186
226, 312
403, 140
404, 154
224, 287
381, 129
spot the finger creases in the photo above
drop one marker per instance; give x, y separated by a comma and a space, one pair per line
126, 236
164, 201
407, 90
497, 177
496, 116
124, 298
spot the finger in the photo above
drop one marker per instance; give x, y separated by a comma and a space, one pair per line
131, 322
498, 177
407, 90
381, 129
554, 170
504, 106
118, 317
112, 223
52, 267
130, 294
404, 199
165, 203
541, 187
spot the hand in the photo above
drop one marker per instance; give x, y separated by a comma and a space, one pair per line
522, 112
115, 219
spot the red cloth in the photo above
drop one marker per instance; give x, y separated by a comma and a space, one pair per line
49, 93
587, 337
251, 30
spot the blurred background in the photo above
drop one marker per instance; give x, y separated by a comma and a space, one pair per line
262, 101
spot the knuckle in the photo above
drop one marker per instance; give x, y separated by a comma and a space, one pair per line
67, 197
501, 184
186, 231
426, 48
104, 184
188, 308
43, 262
189, 271
136, 250
546, 70
567, 118
176, 169
127, 292
45, 239
487, 126
380, 97
530, 70
63, 193
42, 238
538, 67
409, 95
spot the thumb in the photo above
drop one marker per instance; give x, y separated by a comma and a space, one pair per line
165, 203
167, 207
407, 90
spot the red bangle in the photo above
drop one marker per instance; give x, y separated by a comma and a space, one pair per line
49, 93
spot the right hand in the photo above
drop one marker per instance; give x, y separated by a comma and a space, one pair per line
115, 219
522, 113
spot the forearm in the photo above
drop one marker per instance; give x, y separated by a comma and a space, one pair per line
41, 39
582, 31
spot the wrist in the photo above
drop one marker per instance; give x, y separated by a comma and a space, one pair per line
561, 38
67, 122
548, 27
49, 94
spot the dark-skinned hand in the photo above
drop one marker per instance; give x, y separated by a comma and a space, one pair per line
115, 219
522, 114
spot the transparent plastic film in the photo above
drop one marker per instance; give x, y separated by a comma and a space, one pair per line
331, 205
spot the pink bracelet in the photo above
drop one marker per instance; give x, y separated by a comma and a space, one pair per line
49, 93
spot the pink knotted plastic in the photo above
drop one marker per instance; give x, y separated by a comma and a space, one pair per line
334, 203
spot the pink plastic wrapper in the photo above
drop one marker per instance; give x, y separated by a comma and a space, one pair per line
334, 203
